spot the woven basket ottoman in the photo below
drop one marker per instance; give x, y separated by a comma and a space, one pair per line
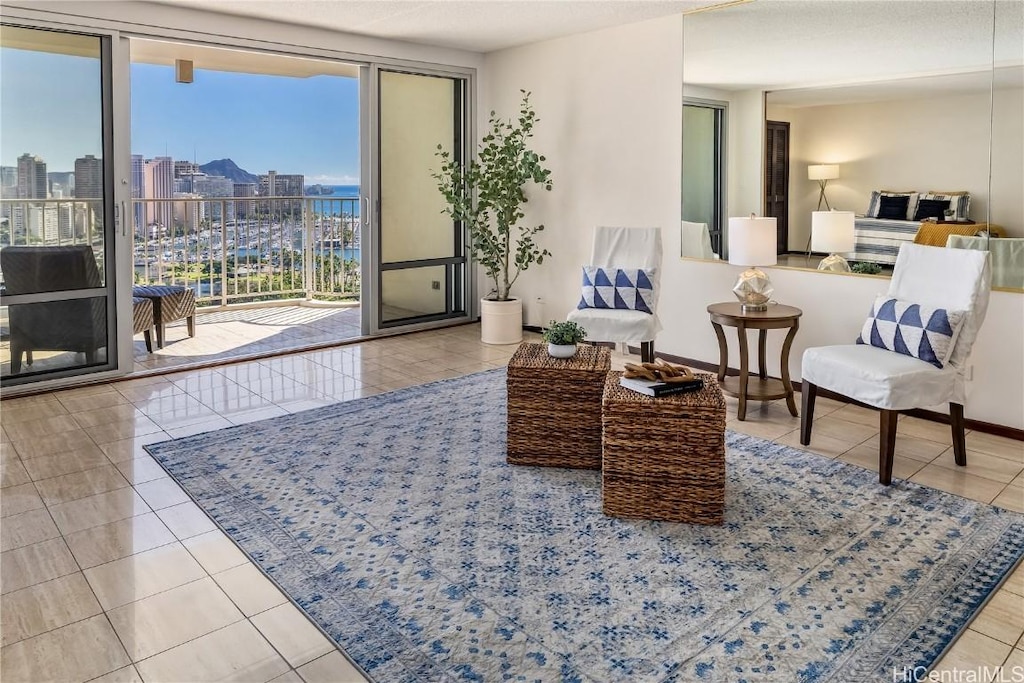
170, 303
554, 407
664, 458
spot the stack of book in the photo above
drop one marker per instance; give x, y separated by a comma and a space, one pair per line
656, 389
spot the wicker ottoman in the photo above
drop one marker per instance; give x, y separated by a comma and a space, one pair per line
170, 303
664, 458
554, 407
142, 319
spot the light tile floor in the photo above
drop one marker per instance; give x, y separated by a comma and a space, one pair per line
110, 573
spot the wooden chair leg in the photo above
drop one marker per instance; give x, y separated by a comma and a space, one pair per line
647, 352
886, 445
15, 360
160, 335
28, 358
148, 335
808, 392
956, 420
191, 322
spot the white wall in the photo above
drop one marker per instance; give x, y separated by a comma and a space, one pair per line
939, 143
609, 103
610, 109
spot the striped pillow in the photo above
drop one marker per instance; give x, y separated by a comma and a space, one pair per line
876, 201
960, 202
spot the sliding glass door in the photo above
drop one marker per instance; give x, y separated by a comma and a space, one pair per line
418, 252
57, 207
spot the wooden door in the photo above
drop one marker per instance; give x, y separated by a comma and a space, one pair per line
776, 179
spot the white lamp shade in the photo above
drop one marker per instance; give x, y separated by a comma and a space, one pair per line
832, 231
752, 242
823, 172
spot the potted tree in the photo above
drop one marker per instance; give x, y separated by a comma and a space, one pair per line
487, 196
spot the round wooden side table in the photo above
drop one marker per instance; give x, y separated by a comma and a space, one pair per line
762, 387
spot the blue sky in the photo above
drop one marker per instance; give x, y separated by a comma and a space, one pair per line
50, 107
281, 123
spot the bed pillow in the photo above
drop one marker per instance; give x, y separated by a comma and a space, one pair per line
931, 208
960, 202
893, 207
875, 202
923, 332
622, 288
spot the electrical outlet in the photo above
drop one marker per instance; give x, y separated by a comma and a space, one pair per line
436, 284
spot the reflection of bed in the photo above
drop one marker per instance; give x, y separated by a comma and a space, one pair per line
878, 240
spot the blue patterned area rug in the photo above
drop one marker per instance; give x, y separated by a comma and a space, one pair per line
395, 523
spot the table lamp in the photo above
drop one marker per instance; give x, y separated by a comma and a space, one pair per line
832, 231
752, 243
822, 173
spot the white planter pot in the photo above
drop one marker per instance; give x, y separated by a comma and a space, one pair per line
561, 350
501, 322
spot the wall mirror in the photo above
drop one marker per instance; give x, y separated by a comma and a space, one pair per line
852, 105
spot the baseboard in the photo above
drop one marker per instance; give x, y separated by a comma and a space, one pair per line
930, 415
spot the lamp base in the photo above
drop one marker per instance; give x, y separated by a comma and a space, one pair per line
754, 290
834, 263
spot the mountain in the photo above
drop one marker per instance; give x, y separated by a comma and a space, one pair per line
230, 170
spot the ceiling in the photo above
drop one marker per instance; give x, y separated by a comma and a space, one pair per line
780, 44
474, 25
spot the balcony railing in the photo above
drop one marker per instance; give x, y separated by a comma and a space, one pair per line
227, 249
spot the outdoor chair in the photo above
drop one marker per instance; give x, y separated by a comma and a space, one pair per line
77, 325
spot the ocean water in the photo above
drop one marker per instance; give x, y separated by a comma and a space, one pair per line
330, 205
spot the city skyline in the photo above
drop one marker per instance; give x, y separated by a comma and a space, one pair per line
307, 126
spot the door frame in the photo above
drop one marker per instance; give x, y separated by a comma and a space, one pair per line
783, 244
116, 104
370, 247
718, 227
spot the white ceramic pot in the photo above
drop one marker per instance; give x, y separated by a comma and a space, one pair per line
561, 350
501, 322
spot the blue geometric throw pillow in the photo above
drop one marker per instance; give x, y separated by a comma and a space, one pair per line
622, 288
912, 329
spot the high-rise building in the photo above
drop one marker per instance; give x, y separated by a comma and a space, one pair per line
31, 177
159, 184
185, 168
88, 177
31, 185
246, 208
275, 184
138, 192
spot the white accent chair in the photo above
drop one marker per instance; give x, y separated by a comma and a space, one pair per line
695, 240
625, 248
954, 279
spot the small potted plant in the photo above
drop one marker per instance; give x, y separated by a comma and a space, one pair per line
562, 338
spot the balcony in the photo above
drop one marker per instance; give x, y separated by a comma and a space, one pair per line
269, 273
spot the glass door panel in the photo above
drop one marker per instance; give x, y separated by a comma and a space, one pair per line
421, 256
56, 265
703, 177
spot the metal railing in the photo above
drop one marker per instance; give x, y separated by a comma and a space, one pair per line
227, 249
